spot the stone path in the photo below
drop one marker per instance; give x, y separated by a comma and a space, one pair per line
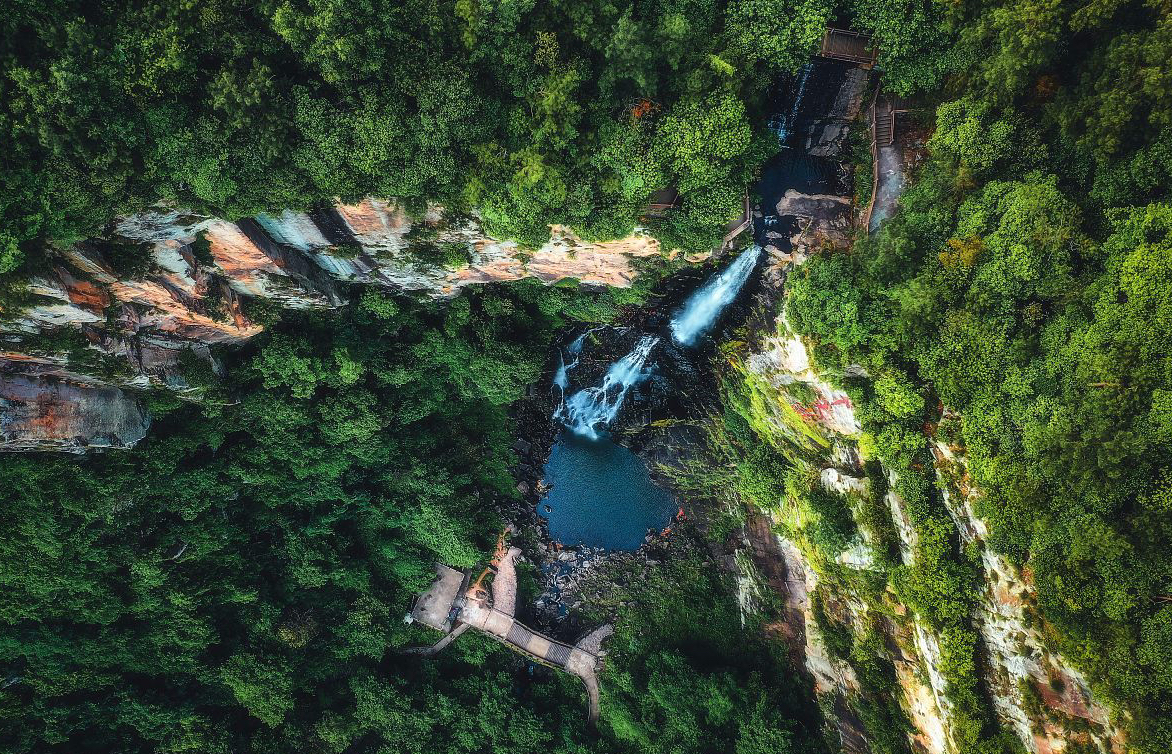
497, 621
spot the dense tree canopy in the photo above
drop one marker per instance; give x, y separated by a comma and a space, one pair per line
1026, 283
238, 581
531, 113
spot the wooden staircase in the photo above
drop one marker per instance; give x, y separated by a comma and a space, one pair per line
884, 123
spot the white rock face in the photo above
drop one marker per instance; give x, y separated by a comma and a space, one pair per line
1017, 653
294, 229
784, 361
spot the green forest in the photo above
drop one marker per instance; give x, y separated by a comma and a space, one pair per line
236, 582
1026, 284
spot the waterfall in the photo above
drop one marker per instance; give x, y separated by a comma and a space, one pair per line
702, 308
784, 124
561, 378
590, 409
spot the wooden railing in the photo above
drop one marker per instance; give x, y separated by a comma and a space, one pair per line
874, 165
733, 230
882, 114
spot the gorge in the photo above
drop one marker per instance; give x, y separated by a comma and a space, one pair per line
816, 348
598, 494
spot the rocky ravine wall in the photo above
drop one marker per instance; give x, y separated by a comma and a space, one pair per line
1035, 693
147, 328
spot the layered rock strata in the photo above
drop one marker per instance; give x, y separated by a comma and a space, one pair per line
167, 281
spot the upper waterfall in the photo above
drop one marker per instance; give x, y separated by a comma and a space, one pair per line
702, 308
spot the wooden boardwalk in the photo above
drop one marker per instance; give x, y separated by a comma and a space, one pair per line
882, 114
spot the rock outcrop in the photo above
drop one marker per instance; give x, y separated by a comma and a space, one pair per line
167, 281
1034, 692
51, 414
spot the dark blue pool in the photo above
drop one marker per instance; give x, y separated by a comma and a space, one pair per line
602, 495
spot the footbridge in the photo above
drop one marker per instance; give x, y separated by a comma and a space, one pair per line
848, 46
453, 606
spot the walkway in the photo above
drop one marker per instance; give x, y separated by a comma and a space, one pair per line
887, 174
441, 607
890, 183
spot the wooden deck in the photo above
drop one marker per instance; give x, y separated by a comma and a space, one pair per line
739, 225
849, 46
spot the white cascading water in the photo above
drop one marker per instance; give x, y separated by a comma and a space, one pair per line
784, 124
590, 409
561, 378
702, 308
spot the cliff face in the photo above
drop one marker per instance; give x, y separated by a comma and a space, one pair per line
1033, 692
1036, 692
137, 309
43, 414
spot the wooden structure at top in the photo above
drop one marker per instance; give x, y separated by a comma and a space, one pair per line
662, 202
665, 200
850, 46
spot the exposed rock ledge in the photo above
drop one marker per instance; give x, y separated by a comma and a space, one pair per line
1017, 660
48, 414
202, 272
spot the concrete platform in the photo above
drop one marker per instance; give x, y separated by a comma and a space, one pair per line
434, 607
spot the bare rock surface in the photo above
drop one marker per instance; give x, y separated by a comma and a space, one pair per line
198, 274
50, 414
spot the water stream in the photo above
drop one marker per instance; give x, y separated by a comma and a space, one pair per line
599, 492
699, 312
784, 125
591, 409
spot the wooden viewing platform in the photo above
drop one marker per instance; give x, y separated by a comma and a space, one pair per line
849, 46
665, 200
